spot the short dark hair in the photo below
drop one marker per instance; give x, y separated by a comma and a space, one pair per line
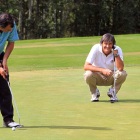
107, 38
5, 20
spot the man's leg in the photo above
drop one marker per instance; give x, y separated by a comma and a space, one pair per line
94, 79
5, 101
90, 78
5, 97
120, 77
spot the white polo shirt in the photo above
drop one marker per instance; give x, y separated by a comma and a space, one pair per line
97, 58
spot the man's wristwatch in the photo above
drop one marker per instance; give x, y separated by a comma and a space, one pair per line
115, 55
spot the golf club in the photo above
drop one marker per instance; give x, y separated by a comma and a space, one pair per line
7, 79
114, 79
13, 99
112, 101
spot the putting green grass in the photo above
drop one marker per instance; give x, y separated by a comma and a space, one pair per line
54, 101
55, 104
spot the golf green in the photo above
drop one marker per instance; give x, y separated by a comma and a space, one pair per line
53, 99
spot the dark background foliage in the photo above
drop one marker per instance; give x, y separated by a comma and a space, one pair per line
71, 18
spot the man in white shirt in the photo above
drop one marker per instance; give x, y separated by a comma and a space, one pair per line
99, 68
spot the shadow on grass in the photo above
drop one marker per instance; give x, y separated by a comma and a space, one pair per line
130, 100
70, 127
124, 101
104, 101
64, 127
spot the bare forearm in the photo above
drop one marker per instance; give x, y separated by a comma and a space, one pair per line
90, 67
9, 49
104, 71
119, 63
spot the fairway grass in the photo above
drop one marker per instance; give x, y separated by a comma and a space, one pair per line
55, 105
66, 53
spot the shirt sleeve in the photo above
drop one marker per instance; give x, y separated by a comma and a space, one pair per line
92, 55
120, 53
13, 36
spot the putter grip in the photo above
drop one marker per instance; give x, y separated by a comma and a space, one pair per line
6, 76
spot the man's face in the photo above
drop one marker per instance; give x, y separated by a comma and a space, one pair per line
6, 29
107, 47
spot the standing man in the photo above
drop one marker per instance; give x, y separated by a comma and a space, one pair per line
99, 67
8, 32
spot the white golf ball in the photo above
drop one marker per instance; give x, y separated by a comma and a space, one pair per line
13, 128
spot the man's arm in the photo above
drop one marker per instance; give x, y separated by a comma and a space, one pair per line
8, 51
90, 67
118, 61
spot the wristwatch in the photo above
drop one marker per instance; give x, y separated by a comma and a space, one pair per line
115, 55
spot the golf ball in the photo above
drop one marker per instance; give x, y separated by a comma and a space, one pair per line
13, 128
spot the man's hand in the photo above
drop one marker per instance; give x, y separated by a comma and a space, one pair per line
104, 71
107, 72
3, 73
115, 51
118, 60
5, 67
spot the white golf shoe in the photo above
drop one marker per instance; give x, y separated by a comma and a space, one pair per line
95, 97
12, 124
113, 97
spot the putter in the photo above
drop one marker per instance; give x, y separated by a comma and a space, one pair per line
20, 125
7, 80
112, 101
114, 79
13, 99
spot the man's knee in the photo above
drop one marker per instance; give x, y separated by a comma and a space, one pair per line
89, 75
121, 75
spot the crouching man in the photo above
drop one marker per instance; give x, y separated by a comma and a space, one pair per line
100, 66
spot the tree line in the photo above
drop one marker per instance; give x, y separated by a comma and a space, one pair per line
37, 19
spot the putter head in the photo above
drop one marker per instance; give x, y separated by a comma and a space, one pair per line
112, 101
20, 126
